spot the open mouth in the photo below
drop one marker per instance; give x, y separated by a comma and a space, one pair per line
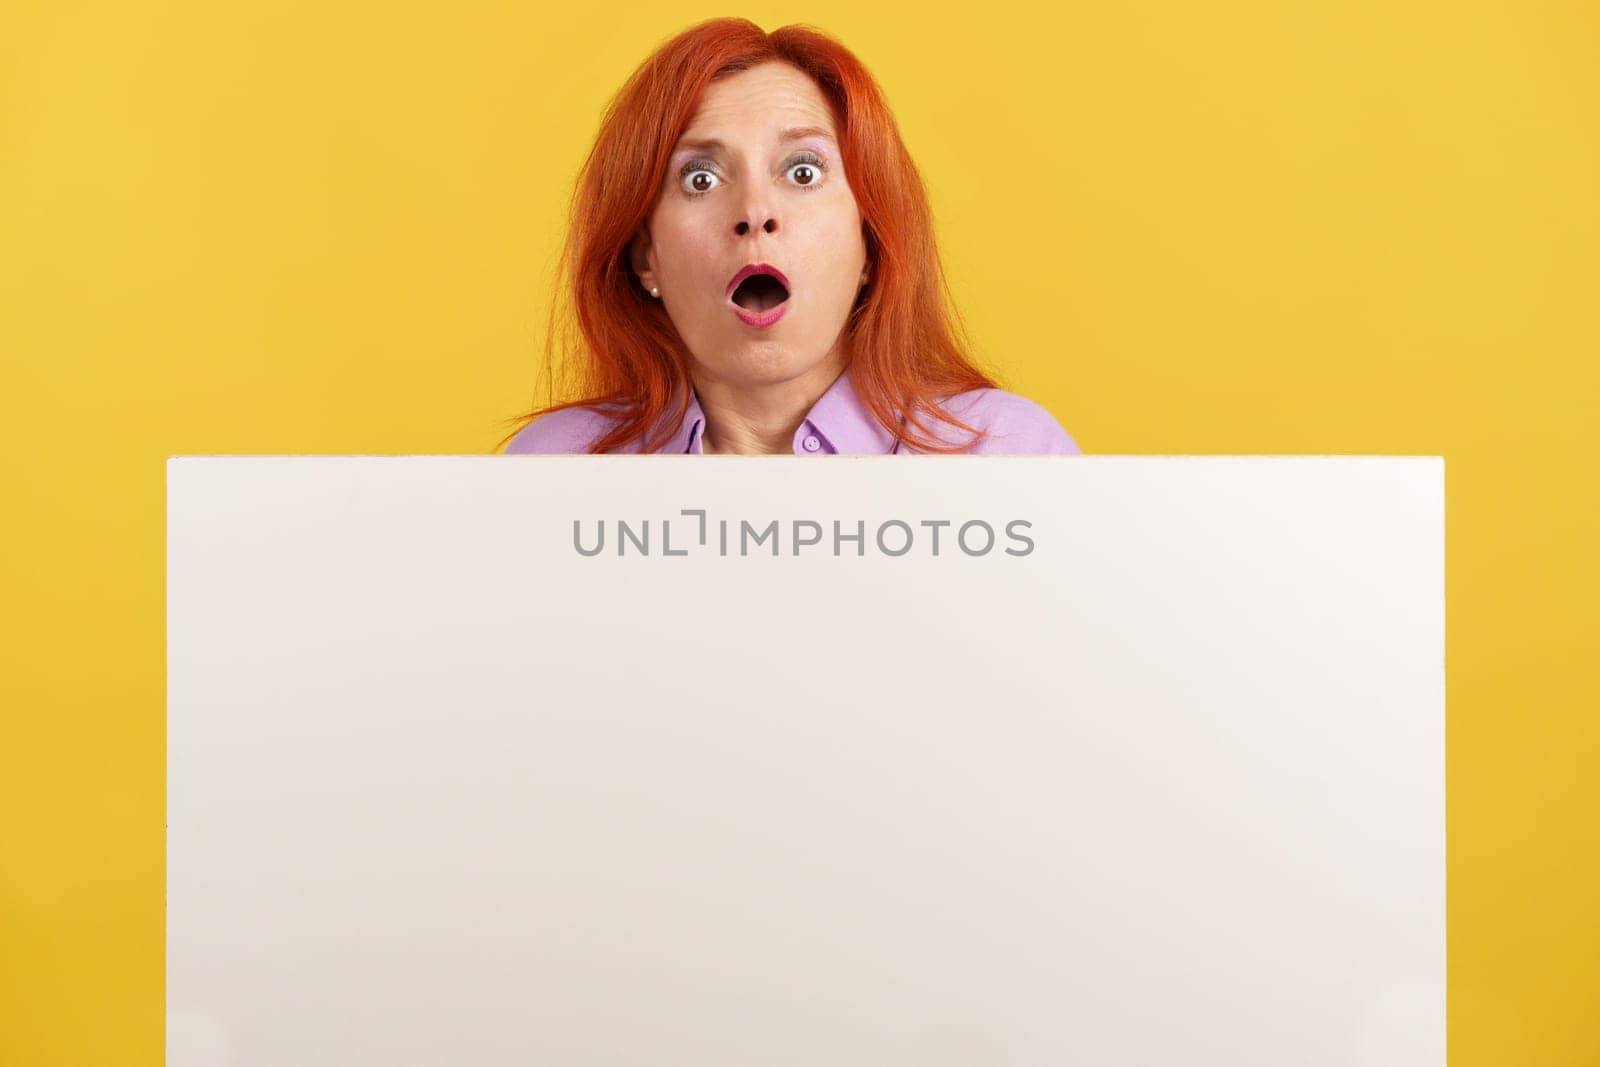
760, 292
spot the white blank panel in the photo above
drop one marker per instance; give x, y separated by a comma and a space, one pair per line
1166, 789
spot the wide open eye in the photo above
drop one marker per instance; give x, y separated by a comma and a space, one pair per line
697, 180
805, 173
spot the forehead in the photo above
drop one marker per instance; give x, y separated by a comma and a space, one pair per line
764, 99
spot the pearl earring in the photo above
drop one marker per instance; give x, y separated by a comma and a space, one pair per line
655, 292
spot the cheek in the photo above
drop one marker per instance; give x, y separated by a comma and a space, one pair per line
845, 229
684, 246
841, 248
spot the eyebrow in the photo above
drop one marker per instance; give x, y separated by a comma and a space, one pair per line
793, 133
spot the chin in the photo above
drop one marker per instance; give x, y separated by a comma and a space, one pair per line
767, 361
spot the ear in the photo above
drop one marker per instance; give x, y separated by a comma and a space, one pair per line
641, 257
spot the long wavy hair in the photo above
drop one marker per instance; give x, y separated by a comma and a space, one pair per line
610, 345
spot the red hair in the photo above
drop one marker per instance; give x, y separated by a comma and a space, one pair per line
903, 338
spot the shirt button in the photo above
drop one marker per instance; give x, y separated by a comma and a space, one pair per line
811, 443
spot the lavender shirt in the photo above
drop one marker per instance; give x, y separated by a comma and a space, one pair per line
837, 423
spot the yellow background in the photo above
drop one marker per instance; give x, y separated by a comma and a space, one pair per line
1232, 227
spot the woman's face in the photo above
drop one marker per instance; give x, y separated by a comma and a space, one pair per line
756, 179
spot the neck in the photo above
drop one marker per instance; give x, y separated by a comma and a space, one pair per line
760, 419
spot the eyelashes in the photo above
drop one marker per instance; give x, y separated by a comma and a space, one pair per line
689, 173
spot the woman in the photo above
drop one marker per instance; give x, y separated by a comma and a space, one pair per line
752, 269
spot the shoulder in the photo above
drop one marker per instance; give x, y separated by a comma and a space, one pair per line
569, 430
1013, 425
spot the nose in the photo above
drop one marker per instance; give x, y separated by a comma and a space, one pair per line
742, 227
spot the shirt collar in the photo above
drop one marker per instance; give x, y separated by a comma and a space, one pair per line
839, 422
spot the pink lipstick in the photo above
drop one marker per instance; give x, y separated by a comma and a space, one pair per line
759, 294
